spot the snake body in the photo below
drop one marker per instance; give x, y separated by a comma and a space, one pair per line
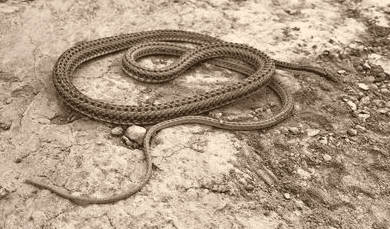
254, 64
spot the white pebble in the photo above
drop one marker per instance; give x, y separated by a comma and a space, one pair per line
366, 65
373, 87
136, 133
360, 128
365, 100
303, 174
385, 90
352, 105
3, 192
363, 116
341, 71
218, 115
352, 132
294, 130
363, 86
323, 140
383, 110
312, 132
327, 157
117, 131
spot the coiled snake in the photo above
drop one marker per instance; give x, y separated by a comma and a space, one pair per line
254, 64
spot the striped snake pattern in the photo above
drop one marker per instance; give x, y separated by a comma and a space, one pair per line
255, 65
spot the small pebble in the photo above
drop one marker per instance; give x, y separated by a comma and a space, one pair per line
366, 65
324, 140
363, 116
218, 115
365, 100
341, 71
294, 130
352, 132
136, 133
303, 174
292, 11
383, 110
363, 86
359, 68
385, 91
287, 196
312, 132
373, 87
378, 102
352, 105
117, 131
3, 192
327, 157
18, 160
352, 46
259, 110
360, 128
381, 75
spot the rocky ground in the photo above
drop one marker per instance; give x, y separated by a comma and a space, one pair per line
327, 166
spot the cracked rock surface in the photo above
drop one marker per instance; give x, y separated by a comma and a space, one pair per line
327, 166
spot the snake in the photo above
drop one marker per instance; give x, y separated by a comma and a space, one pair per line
256, 66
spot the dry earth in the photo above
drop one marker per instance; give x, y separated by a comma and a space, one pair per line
328, 166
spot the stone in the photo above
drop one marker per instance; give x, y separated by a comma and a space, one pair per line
373, 87
136, 133
352, 132
363, 116
312, 132
360, 128
385, 91
383, 110
341, 71
3, 192
365, 100
352, 105
303, 174
287, 196
259, 110
378, 102
218, 115
294, 130
117, 131
324, 140
366, 66
363, 86
327, 157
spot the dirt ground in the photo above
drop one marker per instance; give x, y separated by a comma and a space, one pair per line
327, 166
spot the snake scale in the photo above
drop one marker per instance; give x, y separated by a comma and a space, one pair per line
255, 65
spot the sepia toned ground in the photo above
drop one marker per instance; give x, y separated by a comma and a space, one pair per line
327, 166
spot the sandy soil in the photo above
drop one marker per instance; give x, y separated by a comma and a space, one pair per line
325, 167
